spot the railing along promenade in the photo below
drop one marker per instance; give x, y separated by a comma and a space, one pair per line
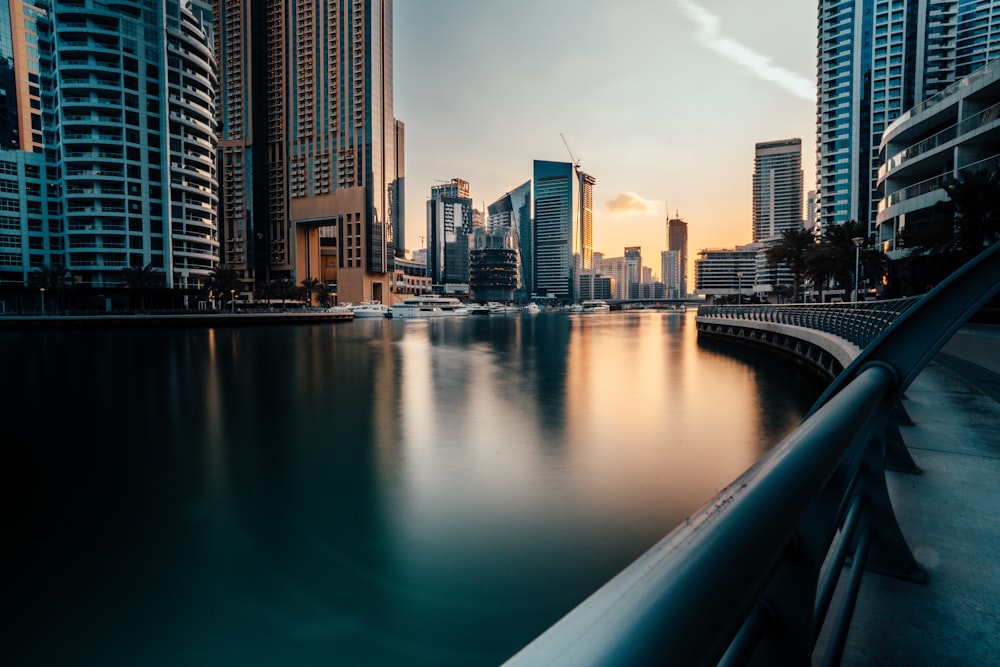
792, 328
768, 571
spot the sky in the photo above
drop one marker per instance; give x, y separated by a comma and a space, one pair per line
662, 101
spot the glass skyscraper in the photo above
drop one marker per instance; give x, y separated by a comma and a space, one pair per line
514, 210
875, 60
553, 199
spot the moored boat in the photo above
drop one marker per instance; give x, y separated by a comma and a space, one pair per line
428, 305
479, 309
595, 306
368, 309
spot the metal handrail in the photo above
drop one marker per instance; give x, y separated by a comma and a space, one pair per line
747, 579
859, 323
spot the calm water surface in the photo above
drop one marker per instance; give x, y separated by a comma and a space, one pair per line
375, 492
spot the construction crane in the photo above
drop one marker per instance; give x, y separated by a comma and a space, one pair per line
576, 162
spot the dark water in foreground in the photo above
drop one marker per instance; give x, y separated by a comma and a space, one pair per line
374, 492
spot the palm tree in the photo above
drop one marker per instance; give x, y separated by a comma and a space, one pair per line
312, 287
56, 280
265, 292
223, 280
791, 251
833, 258
141, 280
285, 289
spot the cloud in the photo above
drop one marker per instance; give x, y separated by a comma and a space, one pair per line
709, 35
629, 202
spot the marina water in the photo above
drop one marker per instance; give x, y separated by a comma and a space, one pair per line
376, 492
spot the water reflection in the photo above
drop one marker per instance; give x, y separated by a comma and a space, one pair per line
375, 492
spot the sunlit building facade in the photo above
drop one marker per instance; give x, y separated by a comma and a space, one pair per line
677, 241
670, 272
309, 143
726, 272
114, 152
777, 188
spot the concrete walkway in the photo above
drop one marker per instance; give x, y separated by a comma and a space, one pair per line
950, 516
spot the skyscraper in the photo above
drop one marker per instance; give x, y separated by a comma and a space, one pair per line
585, 241
514, 210
309, 141
449, 230
670, 270
875, 60
633, 271
677, 240
777, 188
554, 203
108, 154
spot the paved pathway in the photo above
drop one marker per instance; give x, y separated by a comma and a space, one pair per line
950, 516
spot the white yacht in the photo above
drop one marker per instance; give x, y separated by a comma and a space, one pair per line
595, 306
478, 309
428, 305
368, 309
532, 307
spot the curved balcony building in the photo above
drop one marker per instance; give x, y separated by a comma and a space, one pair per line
127, 115
956, 130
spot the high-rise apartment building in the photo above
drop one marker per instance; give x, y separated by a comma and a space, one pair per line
777, 188
670, 272
309, 142
108, 151
514, 210
633, 271
449, 231
554, 203
876, 59
677, 240
585, 237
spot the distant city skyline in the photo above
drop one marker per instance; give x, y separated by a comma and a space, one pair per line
662, 102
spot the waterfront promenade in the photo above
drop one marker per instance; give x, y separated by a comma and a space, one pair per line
950, 517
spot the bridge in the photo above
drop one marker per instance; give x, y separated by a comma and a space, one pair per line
808, 557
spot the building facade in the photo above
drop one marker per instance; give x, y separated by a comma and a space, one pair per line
584, 247
633, 271
875, 60
449, 233
553, 203
956, 131
677, 241
777, 188
670, 272
729, 273
513, 210
493, 264
108, 156
309, 143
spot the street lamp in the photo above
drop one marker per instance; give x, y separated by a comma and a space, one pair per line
232, 301
858, 242
42, 290
739, 288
